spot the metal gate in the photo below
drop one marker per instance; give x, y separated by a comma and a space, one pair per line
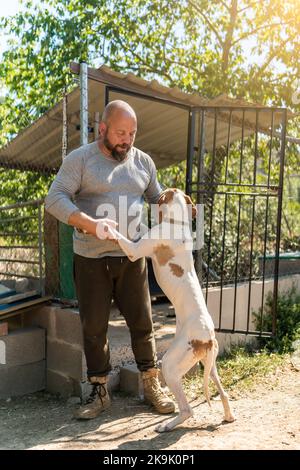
235, 170
21, 257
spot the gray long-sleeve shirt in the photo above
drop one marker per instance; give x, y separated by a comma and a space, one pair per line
101, 187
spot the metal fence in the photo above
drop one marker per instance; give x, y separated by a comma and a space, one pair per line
236, 172
21, 245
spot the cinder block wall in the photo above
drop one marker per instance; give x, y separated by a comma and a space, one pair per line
65, 366
23, 365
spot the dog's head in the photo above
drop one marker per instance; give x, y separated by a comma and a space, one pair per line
175, 204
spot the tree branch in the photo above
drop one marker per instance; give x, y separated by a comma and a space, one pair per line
250, 33
224, 5
229, 35
247, 7
272, 57
147, 66
186, 66
210, 25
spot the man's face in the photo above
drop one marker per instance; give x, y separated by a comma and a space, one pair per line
119, 135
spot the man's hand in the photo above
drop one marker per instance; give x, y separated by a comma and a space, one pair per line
105, 229
100, 228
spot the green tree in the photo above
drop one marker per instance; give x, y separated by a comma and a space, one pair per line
245, 48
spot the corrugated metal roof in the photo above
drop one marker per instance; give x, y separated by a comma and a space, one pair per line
162, 125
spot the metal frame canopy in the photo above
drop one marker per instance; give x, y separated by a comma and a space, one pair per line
163, 121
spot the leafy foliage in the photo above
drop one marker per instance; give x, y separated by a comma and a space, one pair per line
287, 325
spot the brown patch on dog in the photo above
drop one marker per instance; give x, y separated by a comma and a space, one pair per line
200, 347
163, 254
177, 270
166, 196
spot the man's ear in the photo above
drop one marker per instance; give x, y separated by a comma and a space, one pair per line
102, 128
194, 208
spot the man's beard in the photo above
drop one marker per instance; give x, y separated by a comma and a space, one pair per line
117, 154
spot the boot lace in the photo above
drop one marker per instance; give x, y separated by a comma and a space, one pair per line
98, 390
156, 389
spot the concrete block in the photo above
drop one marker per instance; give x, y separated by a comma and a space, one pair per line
3, 328
43, 317
22, 379
67, 359
227, 340
24, 346
57, 382
113, 380
68, 326
131, 380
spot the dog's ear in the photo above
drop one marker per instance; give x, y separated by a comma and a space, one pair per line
194, 208
162, 199
166, 196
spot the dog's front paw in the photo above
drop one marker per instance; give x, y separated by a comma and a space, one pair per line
162, 428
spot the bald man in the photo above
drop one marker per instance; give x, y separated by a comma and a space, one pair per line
107, 178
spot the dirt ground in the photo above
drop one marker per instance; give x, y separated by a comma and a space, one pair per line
268, 418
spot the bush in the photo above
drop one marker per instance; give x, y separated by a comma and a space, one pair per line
287, 322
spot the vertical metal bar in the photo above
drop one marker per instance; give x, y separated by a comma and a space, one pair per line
190, 150
266, 226
212, 173
106, 96
256, 148
65, 125
224, 221
228, 145
84, 115
237, 259
222, 260
279, 211
271, 145
41, 283
238, 221
242, 147
250, 260
252, 223
200, 197
96, 125
264, 263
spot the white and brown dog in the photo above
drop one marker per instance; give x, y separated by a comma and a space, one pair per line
169, 244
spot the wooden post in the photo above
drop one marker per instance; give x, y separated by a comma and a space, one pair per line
51, 243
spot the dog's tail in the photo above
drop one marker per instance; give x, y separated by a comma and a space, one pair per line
207, 369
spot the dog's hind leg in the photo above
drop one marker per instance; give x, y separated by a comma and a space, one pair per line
174, 366
228, 415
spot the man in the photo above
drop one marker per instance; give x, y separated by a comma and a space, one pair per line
90, 182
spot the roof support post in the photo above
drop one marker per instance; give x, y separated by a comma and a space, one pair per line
65, 125
190, 150
84, 114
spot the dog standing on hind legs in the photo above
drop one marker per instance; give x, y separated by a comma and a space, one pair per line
175, 273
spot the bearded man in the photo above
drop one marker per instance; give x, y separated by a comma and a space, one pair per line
107, 178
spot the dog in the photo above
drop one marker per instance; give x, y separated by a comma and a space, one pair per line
175, 273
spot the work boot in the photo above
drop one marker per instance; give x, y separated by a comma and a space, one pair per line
153, 393
97, 402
